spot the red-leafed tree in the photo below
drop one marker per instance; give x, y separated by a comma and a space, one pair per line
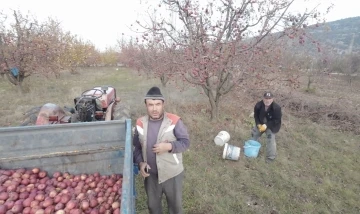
156, 62
138, 57
128, 52
223, 44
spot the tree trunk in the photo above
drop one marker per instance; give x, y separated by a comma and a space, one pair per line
164, 80
20, 87
214, 111
16, 81
349, 79
309, 83
214, 104
12, 79
73, 70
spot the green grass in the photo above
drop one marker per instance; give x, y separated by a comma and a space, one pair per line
317, 169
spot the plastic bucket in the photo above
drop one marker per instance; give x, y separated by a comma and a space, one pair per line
231, 152
222, 138
251, 148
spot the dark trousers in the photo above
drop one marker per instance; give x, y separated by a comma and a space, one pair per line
172, 189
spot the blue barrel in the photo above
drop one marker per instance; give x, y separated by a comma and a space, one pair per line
251, 148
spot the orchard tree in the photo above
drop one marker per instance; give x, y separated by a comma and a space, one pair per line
128, 52
77, 53
145, 59
353, 62
29, 47
168, 68
306, 59
3, 67
226, 43
109, 57
93, 57
139, 57
157, 62
352, 66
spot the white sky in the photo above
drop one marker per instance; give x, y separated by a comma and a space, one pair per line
103, 22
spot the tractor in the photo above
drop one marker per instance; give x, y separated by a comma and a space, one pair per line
96, 104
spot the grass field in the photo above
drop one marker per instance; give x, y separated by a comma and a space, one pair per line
317, 169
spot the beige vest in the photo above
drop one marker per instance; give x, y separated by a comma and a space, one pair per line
169, 164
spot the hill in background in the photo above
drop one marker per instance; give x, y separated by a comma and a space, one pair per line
340, 37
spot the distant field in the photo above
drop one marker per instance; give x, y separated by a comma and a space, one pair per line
317, 169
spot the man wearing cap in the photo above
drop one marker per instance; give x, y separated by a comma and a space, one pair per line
267, 116
160, 138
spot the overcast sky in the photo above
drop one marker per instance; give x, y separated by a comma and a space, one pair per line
103, 22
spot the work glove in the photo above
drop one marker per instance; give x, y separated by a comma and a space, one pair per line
262, 127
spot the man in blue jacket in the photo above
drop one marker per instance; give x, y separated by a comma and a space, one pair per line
267, 116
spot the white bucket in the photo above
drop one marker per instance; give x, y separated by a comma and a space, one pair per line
231, 152
222, 138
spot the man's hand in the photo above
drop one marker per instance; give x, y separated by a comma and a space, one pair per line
162, 147
144, 166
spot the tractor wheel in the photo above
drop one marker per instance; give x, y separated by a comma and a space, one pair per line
121, 112
74, 118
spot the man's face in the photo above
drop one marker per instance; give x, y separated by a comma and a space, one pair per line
268, 101
155, 108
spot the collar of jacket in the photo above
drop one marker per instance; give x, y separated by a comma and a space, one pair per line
168, 118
